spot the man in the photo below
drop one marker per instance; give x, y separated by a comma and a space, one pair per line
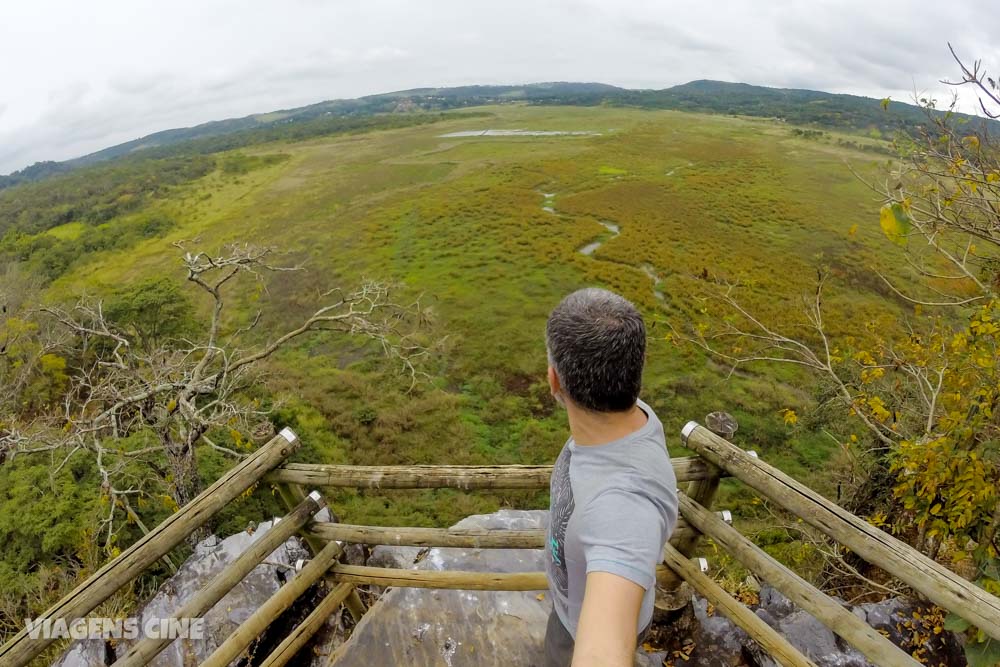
613, 491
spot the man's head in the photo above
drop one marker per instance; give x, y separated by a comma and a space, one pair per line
597, 346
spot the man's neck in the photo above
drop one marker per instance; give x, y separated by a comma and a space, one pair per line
599, 428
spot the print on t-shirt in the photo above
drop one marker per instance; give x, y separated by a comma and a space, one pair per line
562, 509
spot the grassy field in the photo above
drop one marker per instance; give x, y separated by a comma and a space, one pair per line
489, 230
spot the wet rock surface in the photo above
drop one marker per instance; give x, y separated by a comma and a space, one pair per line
210, 557
412, 626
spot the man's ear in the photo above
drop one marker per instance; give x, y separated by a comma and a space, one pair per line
554, 385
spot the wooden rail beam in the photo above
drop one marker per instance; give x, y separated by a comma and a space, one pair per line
276, 605
443, 579
937, 583
143, 652
454, 579
468, 478
465, 538
859, 634
290, 495
305, 631
154, 545
777, 646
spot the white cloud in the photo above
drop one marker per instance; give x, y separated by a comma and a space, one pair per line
82, 76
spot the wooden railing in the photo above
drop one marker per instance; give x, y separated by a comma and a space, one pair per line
154, 545
716, 458
936, 582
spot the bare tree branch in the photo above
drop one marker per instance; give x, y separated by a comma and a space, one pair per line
130, 402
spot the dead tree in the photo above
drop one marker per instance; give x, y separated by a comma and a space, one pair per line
130, 403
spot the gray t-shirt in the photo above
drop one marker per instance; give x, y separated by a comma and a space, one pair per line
612, 508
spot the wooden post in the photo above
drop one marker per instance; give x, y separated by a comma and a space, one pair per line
274, 607
102, 584
291, 494
143, 652
305, 631
859, 634
940, 585
776, 646
703, 491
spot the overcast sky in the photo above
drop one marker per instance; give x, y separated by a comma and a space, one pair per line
79, 76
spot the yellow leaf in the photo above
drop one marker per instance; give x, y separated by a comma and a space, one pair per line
895, 222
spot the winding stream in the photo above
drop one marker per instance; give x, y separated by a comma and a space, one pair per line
590, 248
521, 133
650, 271
615, 230
674, 170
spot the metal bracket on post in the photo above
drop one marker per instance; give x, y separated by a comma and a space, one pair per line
318, 498
687, 430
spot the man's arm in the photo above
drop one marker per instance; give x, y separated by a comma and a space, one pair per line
606, 631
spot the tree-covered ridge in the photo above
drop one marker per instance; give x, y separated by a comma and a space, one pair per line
797, 106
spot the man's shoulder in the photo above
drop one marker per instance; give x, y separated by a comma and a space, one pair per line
628, 508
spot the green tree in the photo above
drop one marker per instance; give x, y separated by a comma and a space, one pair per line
151, 310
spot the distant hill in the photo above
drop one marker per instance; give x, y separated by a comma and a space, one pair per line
418, 99
796, 106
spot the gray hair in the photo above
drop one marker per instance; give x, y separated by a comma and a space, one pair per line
596, 343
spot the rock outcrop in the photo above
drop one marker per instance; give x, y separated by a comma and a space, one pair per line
413, 626
209, 558
703, 638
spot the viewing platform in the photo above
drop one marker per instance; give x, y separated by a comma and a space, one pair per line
698, 478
